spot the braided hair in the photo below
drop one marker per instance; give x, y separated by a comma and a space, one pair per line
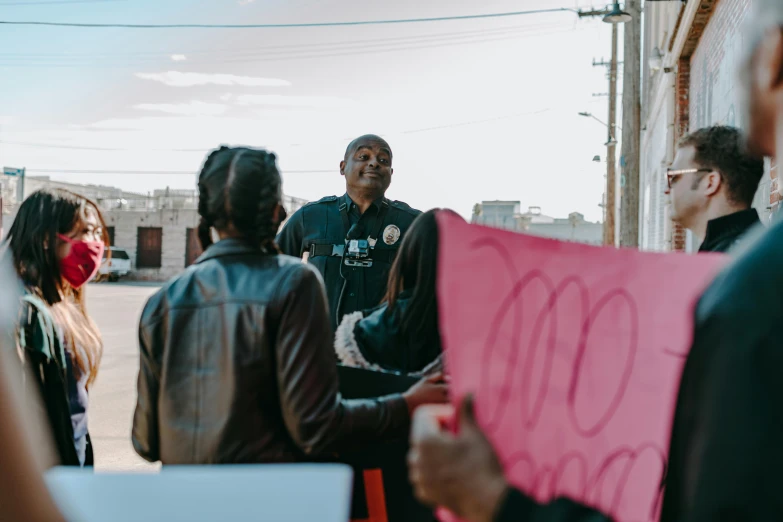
240, 187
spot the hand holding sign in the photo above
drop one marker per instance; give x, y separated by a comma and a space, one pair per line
460, 471
574, 354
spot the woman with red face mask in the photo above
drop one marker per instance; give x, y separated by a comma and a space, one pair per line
56, 243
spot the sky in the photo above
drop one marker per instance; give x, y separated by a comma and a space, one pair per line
474, 110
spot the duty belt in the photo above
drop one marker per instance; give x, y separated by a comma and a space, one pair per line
384, 256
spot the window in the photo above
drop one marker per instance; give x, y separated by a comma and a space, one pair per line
192, 246
119, 254
110, 233
148, 247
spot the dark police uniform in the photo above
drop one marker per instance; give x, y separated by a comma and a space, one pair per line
319, 228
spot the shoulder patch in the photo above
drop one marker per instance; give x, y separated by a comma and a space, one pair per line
405, 207
327, 199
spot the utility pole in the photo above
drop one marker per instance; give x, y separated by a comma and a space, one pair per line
610, 205
629, 162
611, 145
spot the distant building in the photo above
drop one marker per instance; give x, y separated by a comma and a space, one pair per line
159, 231
507, 215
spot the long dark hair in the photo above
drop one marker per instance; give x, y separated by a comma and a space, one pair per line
32, 241
415, 270
240, 187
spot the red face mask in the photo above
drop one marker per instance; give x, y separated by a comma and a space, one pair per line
82, 262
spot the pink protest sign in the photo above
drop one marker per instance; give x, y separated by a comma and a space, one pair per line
574, 354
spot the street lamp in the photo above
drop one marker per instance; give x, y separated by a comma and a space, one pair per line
612, 139
617, 15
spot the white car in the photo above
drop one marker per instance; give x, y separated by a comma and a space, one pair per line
116, 266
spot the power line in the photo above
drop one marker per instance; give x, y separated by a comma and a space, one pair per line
474, 122
254, 51
206, 149
159, 172
53, 2
289, 25
286, 58
79, 147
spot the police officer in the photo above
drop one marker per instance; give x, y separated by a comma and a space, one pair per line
320, 232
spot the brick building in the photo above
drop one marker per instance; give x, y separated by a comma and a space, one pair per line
691, 55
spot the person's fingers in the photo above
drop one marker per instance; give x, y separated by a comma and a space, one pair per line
417, 477
435, 377
428, 422
467, 415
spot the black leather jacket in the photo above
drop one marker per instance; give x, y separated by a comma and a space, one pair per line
237, 366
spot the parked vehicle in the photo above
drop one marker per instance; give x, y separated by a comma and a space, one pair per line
115, 266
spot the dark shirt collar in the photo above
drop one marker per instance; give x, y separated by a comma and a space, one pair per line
349, 202
230, 247
728, 227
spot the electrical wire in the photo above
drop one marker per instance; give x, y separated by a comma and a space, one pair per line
83, 25
287, 46
289, 57
156, 172
78, 147
254, 51
204, 150
57, 2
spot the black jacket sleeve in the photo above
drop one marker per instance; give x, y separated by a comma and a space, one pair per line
517, 507
314, 413
290, 239
145, 435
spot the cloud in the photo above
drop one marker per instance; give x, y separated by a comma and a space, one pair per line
194, 108
189, 79
178, 57
277, 100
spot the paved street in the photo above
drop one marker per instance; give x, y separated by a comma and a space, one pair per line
116, 309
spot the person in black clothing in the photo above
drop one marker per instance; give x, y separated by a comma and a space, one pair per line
711, 184
318, 231
725, 453
401, 334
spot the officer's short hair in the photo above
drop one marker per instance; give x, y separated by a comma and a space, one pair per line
724, 150
370, 137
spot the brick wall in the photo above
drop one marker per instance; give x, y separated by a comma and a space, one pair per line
774, 190
682, 119
715, 97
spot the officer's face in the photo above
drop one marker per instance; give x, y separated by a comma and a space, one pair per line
368, 167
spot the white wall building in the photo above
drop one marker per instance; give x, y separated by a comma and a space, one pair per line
507, 215
158, 231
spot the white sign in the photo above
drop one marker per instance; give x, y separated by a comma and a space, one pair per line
8, 171
274, 492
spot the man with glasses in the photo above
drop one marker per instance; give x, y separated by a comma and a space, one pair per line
711, 185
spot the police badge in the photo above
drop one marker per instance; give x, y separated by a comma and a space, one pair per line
391, 234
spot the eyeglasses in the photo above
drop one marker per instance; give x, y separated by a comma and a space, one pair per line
672, 174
